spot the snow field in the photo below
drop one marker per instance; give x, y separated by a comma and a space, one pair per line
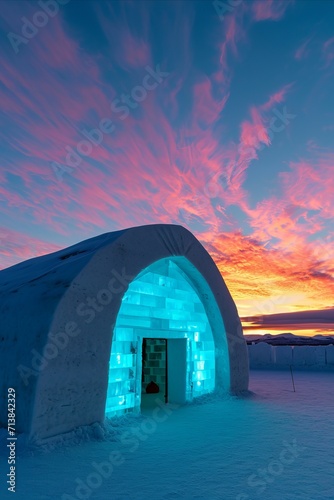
274, 444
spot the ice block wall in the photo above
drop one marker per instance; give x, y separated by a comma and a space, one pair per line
160, 303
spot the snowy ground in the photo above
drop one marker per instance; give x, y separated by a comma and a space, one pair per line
274, 445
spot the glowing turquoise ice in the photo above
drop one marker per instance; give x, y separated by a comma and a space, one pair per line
159, 303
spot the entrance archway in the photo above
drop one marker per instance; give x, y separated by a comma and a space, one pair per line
163, 302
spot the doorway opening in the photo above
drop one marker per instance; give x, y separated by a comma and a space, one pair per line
154, 372
164, 362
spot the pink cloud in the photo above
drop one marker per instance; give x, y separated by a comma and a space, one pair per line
127, 50
273, 10
16, 246
254, 132
135, 52
303, 50
276, 98
328, 51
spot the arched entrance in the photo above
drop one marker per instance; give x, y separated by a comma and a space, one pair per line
164, 334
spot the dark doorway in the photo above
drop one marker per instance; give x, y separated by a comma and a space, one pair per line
164, 362
154, 365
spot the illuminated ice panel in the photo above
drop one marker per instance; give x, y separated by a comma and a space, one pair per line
160, 303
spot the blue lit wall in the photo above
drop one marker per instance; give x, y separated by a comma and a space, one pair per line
159, 303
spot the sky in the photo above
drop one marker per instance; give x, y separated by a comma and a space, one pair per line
214, 115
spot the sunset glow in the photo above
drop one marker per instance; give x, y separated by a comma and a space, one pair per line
120, 114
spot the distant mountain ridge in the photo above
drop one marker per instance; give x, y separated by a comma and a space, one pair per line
289, 339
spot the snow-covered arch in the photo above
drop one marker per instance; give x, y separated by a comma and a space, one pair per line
56, 352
